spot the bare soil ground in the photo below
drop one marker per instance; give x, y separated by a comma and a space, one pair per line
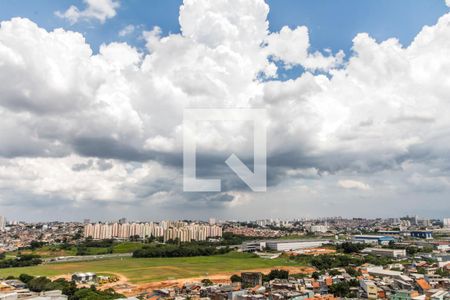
124, 287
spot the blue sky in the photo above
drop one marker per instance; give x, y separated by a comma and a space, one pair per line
332, 23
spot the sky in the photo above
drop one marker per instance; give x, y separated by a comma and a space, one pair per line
93, 94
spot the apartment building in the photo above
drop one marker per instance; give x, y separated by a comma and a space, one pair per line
168, 230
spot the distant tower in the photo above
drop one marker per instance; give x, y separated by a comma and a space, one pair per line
2, 223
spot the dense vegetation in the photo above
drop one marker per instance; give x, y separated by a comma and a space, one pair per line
349, 248
330, 261
40, 284
325, 262
276, 274
25, 260
181, 250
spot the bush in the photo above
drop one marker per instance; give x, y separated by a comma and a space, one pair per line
25, 278
38, 284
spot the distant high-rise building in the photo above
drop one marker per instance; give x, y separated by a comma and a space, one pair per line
212, 221
447, 223
2, 223
319, 228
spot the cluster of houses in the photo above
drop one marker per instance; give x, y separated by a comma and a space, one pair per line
371, 282
13, 289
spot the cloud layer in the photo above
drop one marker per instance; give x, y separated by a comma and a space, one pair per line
105, 129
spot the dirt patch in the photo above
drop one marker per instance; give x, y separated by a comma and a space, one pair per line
216, 278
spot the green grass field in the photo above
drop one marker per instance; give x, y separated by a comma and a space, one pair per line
140, 270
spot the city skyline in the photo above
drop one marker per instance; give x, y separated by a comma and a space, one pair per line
93, 95
445, 220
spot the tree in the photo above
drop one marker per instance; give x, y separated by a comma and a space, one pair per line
36, 244
421, 270
352, 272
334, 272
340, 289
315, 275
276, 274
25, 278
77, 236
207, 282
70, 289
235, 278
349, 248
443, 272
38, 284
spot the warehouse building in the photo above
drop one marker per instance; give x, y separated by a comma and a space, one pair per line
373, 239
290, 245
422, 234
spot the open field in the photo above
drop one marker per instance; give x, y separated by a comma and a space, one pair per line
139, 270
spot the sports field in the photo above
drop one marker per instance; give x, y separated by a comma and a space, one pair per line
140, 270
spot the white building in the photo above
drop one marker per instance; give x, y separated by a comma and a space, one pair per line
395, 253
290, 245
380, 272
319, 228
369, 288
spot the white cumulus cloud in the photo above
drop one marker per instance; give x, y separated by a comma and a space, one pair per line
353, 184
100, 10
127, 30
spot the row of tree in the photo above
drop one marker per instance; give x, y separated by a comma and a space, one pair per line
181, 250
24, 260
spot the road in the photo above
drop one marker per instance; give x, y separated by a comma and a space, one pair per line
85, 257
